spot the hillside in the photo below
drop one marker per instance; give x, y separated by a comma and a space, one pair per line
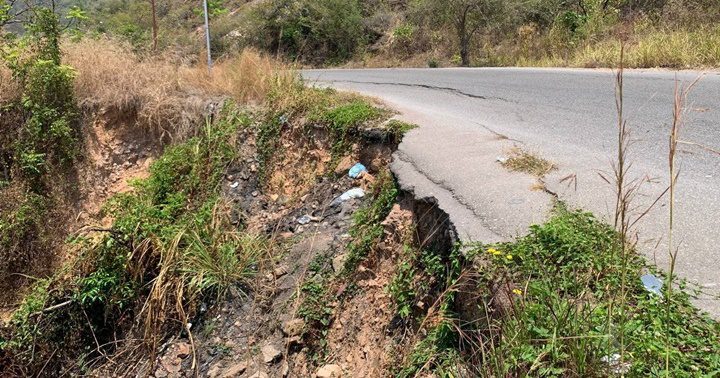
378, 33
160, 219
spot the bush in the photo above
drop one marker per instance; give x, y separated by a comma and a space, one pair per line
314, 30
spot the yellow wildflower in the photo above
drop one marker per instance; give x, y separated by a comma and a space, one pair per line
494, 251
509, 257
517, 291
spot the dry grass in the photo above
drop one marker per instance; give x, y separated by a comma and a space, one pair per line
657, 48
165, 95
8, 88
248, 77
526, 162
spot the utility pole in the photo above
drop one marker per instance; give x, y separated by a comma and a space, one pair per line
154, 25
207, 36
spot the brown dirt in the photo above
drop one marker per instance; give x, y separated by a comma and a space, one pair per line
117, 152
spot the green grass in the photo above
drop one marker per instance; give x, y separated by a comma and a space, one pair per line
367, 229
566, 312
171, 245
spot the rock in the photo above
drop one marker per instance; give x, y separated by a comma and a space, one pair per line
329, 371
214, 372
280, 271
344, 165
260, 374
285, 370
293, 327
292, 341
235, 370
270, 353
338, 262
253, 168
183, 350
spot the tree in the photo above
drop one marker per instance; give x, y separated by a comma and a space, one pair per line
311, 29
467, 17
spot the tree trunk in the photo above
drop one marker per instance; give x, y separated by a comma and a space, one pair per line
463, 37
465, 52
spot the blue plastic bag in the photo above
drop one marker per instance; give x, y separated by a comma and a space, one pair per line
357, 170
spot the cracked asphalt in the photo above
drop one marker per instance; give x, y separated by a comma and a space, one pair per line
470, 117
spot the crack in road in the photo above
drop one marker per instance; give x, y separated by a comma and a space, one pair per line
442, 185
424, 86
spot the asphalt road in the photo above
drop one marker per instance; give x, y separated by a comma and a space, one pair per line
470, 117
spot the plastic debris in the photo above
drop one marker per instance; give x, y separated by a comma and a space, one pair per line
357, 170
652, 284
305, 219
235, 184
350, 194
501, 159
614, 361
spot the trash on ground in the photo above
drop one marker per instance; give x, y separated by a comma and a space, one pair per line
615, 364
501, 159
235, 184
357, 170
305, 219
652, 284
350, 194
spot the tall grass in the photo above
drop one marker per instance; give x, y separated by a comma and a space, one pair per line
163, 93
656, 48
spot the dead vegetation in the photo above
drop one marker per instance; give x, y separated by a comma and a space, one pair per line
523, 161
167, 96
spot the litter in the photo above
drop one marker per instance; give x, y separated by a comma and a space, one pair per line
614, 362
652, 284
357, 170
350, 194
501, 159
305, 219
235, 184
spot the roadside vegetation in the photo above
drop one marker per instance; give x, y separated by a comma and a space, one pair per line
565, 300
168, 246
377, 33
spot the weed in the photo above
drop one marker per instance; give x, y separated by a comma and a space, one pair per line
397, 129
566, 278
526, 162
171, 245
315, 308
367, 228
343, 119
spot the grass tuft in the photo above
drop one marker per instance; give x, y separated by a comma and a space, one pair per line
526, 162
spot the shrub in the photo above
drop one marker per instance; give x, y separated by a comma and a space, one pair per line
311, 30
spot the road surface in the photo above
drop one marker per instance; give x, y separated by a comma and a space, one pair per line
470, 117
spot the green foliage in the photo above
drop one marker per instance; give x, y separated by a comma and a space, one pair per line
215, 8
346, 118
316, 308
576, 296
311, 29
401, 287
25, 330
437, 352
367, 228
171, 240
48, 135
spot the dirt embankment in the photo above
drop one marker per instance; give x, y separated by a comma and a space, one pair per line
273, 331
